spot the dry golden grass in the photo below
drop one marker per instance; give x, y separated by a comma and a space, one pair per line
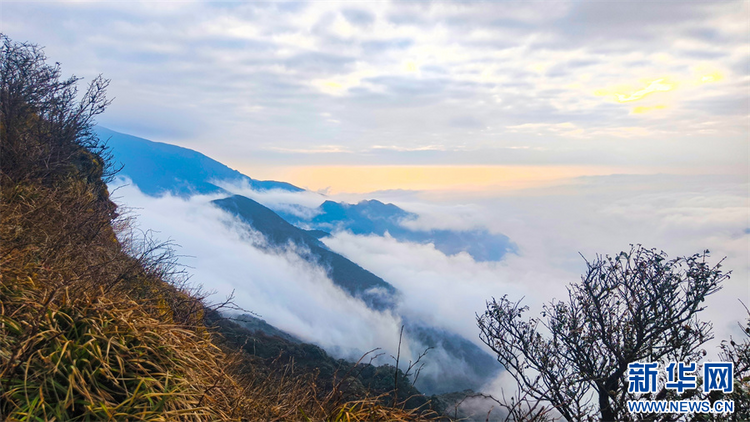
75, 344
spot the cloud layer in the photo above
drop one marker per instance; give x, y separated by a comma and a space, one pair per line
592, 215
225, 256
681, 215
266, 83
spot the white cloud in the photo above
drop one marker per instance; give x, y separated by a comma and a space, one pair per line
302, 204
223, 254
551, 225
443, 291
235, 78
681, 215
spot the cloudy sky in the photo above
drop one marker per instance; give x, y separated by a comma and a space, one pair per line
288, 89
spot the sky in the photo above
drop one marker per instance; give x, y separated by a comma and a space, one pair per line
310, 91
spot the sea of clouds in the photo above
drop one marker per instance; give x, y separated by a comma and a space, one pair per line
555, 228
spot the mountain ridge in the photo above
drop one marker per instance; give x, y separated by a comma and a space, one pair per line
355, 280
158, 167
371, 216
284, 230
378, 294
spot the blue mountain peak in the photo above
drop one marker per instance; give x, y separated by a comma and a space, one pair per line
158, 168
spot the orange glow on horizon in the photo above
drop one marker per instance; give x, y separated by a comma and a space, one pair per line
363, 179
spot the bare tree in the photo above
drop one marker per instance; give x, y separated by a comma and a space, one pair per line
635, 306
737, 351
36, 104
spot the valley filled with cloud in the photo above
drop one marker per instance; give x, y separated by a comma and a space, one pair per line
551, 226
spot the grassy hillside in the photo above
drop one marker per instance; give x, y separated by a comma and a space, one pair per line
96, 328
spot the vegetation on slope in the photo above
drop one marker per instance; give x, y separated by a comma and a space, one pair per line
96, 328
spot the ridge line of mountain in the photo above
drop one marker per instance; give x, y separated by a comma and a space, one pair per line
187, 172
153, 166
355, 280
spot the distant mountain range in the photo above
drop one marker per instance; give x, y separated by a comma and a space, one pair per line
373, 290
374, 217
158, 168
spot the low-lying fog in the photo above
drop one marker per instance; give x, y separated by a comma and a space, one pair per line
551, 226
